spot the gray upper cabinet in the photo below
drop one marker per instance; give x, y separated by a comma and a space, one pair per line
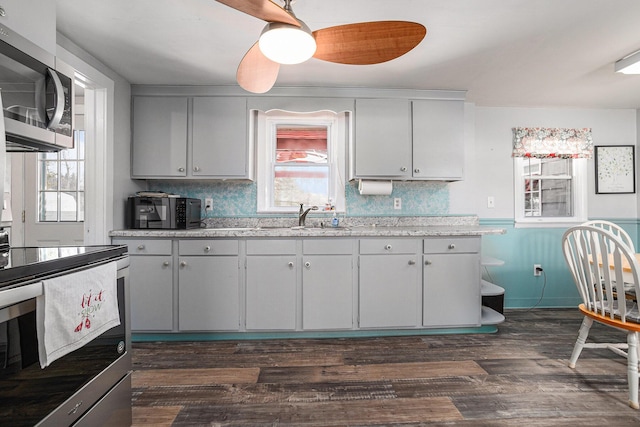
438, 139
220, 138
382, 146
408, 140
191, 138
159, 143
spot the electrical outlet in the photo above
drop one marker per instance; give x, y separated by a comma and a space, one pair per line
397, 203
537, 269
491, 202
208, 204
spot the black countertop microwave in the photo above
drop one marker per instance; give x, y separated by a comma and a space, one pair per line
171, 213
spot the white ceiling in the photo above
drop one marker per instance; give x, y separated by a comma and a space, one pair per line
503, 52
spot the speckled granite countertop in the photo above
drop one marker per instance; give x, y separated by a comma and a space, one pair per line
318, 227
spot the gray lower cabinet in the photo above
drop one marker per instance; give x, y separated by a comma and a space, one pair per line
309, 284
451, 280
208, 285
327, 284
389, 283
151, 289
271, 283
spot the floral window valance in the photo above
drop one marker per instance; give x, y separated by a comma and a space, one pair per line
545, 143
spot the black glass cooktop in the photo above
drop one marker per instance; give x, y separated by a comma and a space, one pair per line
22, 264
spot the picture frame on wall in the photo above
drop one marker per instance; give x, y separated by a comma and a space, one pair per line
615, 169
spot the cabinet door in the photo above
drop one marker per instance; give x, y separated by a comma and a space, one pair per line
220, 138
438, 139
159, 143
382, 138
208, 298
271, 292
327, 292
451, 290
151, 292
389, 291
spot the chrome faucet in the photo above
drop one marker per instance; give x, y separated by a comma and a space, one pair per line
302, 215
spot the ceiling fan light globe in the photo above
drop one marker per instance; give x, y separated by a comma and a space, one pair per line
286, 44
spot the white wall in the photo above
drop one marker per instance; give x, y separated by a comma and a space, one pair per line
489, 166
117, 162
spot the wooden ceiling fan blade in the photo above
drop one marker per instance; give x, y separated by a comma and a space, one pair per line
257, 73
266, 10
367, 43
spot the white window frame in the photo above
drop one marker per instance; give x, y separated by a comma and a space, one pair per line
338, 132
579, 192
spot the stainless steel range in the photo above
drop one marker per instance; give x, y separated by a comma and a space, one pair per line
90, 386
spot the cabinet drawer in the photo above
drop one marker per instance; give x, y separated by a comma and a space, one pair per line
208, 247
389, 246
271, 247
327, 246
445, 245
146, 247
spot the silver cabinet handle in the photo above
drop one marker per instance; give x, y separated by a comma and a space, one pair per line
207, 248
307, 264
416, 170
290, 264
140, 247
180, 169
183, 263
403, 168
196, 169
427, 262
452, 246
388, 247
165, 264
412, 262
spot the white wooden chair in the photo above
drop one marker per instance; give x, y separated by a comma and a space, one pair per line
614, 228
584, 247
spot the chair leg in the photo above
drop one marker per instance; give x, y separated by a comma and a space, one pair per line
582, 338
632, 368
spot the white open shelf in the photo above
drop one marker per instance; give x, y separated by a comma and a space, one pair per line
490, 317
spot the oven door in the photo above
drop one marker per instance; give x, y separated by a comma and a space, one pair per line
67, 389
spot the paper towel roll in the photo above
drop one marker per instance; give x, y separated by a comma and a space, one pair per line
375, 188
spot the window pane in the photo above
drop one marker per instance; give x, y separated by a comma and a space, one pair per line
68, 207
48, 206
551, 167
81, 176
49, 176
68, 175
556, 197
297, 184
80, 206
69, 154
544, 195
79, 143
306, 144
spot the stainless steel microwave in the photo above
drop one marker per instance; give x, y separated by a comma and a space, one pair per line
163, 212
36, 92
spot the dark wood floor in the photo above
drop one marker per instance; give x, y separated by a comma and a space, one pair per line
518, 376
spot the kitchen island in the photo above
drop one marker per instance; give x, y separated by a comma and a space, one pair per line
258, 277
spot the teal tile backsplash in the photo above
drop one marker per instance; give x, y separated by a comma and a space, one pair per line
238, 199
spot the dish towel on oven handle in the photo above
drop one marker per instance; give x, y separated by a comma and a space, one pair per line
74, 309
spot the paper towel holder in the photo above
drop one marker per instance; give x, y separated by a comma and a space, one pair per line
375, 187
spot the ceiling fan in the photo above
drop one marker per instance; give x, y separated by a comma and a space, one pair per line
287, 40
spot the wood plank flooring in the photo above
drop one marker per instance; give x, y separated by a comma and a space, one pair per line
516, 377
